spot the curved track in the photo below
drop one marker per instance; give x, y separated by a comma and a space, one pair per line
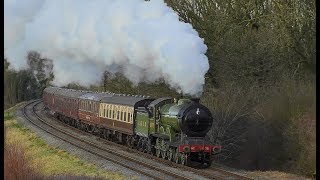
108, 154
147, 169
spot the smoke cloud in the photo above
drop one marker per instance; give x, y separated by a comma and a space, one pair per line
144, 40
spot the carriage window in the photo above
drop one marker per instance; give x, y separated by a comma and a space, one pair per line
101, 111
114, 112
129, 116
106, 110
109, 111
121, 116
125, 116
132, 116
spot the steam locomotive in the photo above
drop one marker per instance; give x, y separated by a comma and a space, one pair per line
166, 127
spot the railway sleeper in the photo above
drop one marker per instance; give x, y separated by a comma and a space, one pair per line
154, 146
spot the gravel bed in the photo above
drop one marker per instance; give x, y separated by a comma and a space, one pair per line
107, 165
121, 149
102, 164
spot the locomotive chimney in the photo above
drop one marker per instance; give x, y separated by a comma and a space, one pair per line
196, 100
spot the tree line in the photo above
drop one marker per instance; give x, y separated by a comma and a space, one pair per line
261, 82
28, 83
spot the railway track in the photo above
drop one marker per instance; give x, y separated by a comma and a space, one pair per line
125, 161
212, 173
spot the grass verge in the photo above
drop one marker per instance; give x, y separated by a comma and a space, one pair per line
24, 149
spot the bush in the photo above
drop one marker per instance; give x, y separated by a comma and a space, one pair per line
265, 129
232, 115
291, 117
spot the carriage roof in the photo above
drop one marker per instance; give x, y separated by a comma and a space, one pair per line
94, 96
50, 90
111, 98
72, 93
125, 100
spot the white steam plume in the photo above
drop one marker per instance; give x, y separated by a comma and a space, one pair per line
86, 37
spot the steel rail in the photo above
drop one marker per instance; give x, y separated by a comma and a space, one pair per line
146, 173
213, 173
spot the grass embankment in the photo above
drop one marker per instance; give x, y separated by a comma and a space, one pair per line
29, 157
275, 175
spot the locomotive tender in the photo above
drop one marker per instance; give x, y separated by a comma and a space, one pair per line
165, 127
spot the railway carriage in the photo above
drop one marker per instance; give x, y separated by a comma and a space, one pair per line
166, 127
69, 102
88, 111
48, 97
117, 116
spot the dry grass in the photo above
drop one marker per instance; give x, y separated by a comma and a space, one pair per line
29, 157
16, 165
274, 175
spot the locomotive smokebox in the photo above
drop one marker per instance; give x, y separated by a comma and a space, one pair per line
195, 120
